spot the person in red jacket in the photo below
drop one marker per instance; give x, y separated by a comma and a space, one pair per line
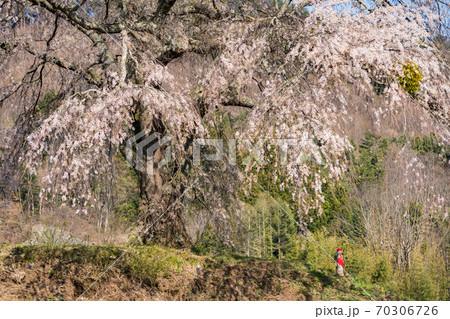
339, 259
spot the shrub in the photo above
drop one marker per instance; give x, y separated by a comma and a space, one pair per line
369, 162
410, 81
424, 280
29, 192
382, 271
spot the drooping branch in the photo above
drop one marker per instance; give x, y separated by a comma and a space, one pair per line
163, 9
123, 63
70, 15
284, 8
46, 58
92, 30
363, 4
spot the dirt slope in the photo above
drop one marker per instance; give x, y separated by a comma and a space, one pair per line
156, 273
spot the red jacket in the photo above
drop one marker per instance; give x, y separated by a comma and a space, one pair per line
340, 261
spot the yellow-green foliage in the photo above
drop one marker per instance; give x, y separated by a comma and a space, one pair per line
411, 78
358, 260
425, 279
319, 258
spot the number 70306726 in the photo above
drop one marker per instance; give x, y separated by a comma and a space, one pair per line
404, 310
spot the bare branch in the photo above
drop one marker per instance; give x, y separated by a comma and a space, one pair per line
163, 9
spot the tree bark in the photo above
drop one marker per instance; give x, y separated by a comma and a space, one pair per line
160, 200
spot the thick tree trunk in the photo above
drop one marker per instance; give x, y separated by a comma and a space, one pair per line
164, 223
160, 200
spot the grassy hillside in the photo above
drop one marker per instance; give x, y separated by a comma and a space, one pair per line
159, 273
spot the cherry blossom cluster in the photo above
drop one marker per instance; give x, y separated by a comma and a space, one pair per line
78, 140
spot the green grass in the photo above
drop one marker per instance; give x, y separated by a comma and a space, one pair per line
145, 263
148, 265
